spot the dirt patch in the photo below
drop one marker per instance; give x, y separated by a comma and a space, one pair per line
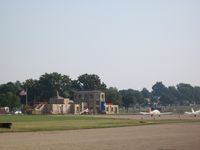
151, 137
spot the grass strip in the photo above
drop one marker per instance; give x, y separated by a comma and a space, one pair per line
30, 123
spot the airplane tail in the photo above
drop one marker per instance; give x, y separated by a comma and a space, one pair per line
149, 109
192, 110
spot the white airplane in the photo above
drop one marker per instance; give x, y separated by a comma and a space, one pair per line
85, 111
195, 113
155, 112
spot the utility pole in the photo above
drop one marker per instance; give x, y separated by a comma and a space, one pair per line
26, 96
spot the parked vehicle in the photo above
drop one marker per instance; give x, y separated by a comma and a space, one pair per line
17, 112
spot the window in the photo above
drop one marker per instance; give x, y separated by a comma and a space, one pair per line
116, 110
111, 108
97, 102
97, 97
106, 108
91, 96
102, 96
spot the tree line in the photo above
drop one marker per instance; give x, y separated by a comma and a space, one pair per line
49, 84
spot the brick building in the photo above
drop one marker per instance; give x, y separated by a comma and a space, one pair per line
91, 100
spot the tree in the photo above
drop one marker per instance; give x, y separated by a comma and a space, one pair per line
128, 98
197, 94
113, 96
173, 95
10, 87
33, 91
9, 94
146, 93
162, 94
49, 85
76, 85
10, 100
186, 93
52, 83
158, 89
139, 97
90, 82
66, 82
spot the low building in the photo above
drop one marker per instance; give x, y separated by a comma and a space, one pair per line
85, 102
56, 105
112, 109
4, 110
91, 100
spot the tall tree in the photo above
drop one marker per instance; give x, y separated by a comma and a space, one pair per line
53, 82
197, 94
146, 93
66, 84
32, 89
166, 95
186, 93
173, 95
128, 98
113, 96
90, 82
158, 89
10, 100
9, 94
139, 97
10, 87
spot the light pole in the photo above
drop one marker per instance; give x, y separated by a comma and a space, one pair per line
26, 96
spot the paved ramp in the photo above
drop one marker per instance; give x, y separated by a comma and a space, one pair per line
151, 137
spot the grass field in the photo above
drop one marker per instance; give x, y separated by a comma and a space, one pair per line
22, 123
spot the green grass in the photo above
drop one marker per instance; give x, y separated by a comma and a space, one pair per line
22, 123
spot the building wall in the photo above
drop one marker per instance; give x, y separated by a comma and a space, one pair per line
56, 106
112, 109
93, 99
4, 110
41, 108
60, 108
76, 109
60, 101
83, 100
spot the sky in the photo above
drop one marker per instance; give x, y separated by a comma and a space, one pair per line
127, 43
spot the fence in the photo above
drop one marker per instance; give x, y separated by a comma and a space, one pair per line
174, 109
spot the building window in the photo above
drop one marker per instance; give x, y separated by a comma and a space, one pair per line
91, 96
111, 108
115, 110
102, 96
97, 97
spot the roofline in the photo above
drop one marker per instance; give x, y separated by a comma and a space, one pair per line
89, 91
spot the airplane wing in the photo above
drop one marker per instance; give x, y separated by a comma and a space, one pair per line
188, 113
86, 111
145, 113
166, 113
198, 111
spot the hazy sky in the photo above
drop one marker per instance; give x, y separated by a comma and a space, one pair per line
129, 44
